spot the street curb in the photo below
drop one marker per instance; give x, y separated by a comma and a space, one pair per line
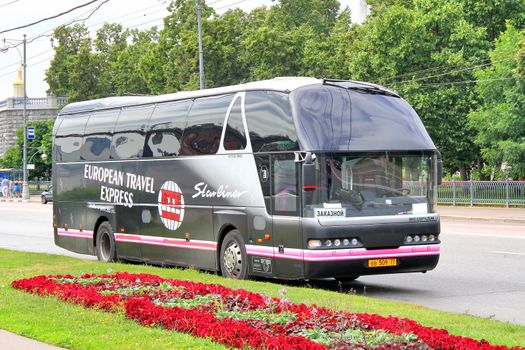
459, 217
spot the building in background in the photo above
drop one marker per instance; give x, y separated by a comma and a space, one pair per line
11, 111
359, 10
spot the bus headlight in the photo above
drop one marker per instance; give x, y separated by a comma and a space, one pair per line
314, 243
337, 242
328, 243
431, 238
346, 241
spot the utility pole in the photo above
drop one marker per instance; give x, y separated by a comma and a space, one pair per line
25, 185
201, 54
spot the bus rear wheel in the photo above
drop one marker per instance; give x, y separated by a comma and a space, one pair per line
233, 259
105, 243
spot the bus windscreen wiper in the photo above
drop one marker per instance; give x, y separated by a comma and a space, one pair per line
359, 87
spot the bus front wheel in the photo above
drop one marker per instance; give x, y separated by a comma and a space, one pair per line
233, 259
105, 243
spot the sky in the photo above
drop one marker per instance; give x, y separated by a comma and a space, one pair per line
131, 14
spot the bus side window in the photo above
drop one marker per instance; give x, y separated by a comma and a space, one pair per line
285, 197
165, 129
68, 138
270, 122
202, 134
98, 135
130, 130
235, 136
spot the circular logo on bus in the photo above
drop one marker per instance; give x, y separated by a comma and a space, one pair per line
171, 205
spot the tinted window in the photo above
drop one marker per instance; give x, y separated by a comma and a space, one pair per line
334, 118
165, 130
98, 135
68, 138
270, 122
130, 132
203, 131
324, 117
284, 185
386, 122
235, 136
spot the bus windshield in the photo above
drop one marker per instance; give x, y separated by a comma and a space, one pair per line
375, 184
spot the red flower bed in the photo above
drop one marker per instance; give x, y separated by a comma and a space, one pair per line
238, 318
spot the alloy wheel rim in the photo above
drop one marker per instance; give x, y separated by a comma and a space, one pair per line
232, 259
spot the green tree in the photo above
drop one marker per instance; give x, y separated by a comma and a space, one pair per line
12, 158
320, 15
500, 120
426, 52
326, 56
489, 14
73, 70
493, 14
110, 42
36, 147
128, 77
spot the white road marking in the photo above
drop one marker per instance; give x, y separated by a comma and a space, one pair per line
510, 253
482, 235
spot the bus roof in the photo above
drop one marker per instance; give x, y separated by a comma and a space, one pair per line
282, 84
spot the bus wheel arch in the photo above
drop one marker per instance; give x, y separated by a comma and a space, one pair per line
233, 260
100, 220
220, 238
105, 246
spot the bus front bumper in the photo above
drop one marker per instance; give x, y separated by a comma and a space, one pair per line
341, 263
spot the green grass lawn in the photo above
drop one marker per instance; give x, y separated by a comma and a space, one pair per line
74, 327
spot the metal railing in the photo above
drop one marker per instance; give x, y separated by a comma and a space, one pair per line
505, 193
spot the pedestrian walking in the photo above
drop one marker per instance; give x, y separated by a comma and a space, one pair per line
16, 189
5, 187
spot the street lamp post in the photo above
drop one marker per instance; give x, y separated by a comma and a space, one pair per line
25, 186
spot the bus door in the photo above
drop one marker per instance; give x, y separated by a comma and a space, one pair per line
287, 232
261, 230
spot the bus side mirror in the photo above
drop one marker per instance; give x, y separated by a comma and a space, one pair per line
439, 169
309, 180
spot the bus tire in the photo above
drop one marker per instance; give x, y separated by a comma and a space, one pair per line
105, 243
233, 258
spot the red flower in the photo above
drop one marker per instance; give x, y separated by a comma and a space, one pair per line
137, 294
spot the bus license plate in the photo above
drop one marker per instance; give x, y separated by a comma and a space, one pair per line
382, 262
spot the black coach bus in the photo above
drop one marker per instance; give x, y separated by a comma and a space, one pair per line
293, 178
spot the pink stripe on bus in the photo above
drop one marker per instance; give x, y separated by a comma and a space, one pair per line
74, 233
343, 254
166, 242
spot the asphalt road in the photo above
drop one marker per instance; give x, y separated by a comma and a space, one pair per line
481, 270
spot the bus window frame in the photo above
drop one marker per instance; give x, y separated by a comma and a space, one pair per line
248, 148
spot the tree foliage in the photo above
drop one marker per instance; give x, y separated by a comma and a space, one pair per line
41, 144
500, 120
427, 50
422, 51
